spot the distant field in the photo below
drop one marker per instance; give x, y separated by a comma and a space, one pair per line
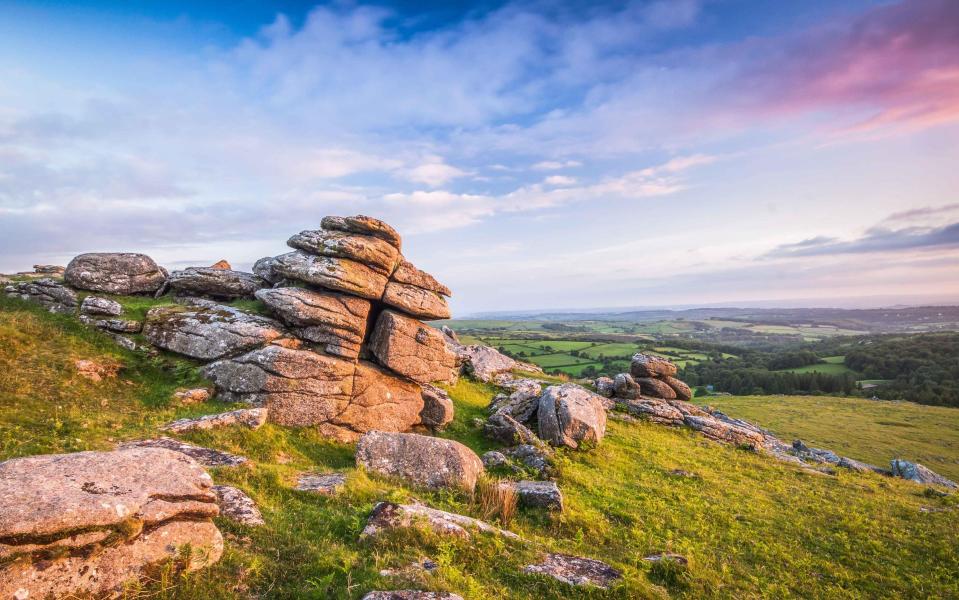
874, 431
824, 368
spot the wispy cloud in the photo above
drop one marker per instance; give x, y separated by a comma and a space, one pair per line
875, 240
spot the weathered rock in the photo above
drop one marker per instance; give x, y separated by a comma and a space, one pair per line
54, 296
237, 506
387, 516
412, 349
298, 387
373, 252
522, 403
95, 305
648, 365
49, 269
861, 467
193, 396
215, 282
208, 333
208, 457
363, 225
87, 523
450, 336
254, 418
484, 363
263, 269
576, 570
114, 325
115, 273
680, 388
337, 274
539, 494
416, 301
724, 432
336, 320
625, 387
667, 556
427, 461
381, 401
605, 387
688, 408
438, 410
327, 484
656, 388
920, 474
657, 411
533, 456
96, 371
816, 455
407, 273
569, 415
494, 459
222, 264
411, 595
503, 428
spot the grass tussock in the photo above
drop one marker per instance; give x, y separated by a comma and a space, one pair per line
497, 499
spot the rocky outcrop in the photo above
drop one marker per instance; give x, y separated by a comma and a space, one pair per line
337, 274
416, 301
423, 460
90, 522
215, 282
335, 320
208, 333
52, 295
381, 401
115, 273
95, 305
920, 474
569, 415
412, 349
576, 570
372, 251
263, 269
388, 516
254, 418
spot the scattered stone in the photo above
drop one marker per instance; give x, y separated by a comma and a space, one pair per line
533, 457
539, 494
237, 506
656, 388
494, 459
115, 273
194, 396
416, 301
648, 365
483, 362
387, 516
327, 484
337, 274
371, 251
425, 565
90, 522
208, 333
254, 418
503, 428
114, 325
365, 226
919, 473
54, 296
667, 556
208, 457
570, 415
605, 387
336, 320
522, 403
412, 349
427, 461
95, 305
411, 595
438, 409
123, 341
215, 282
96, 371
575, 570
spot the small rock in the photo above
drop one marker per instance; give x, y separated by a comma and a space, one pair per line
327, 484
95, 305
113, 325
96, 371
254, 418
532, 456
505, 429
237, 506
207, 457
411, 595
575, 570
539, 494
493, 459
221, 265
667, 556
387, 516
605, 386
194, 396
438, 410
683, 473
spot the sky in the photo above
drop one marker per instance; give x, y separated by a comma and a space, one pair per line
534, 155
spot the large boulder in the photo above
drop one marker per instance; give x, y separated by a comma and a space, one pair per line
215, 282
416, 301
337, 274
625, 387
337, 321
679, 387
570, 415
482, 362
363, 225
90, 522
920, 474
120, 273
407, 273
298, 387
208, 332
656, 388
54, 296
373, 252
412, 349
381, 401
428, 461
649, 365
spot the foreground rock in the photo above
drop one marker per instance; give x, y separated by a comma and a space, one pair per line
215, 282
115, 273
539, 494
327, 484
438, 410
237, 506
570, 415
427, 461
254, 418
412, 349
336, 320
411, 595
575, 570
207, 457
208, 333
920, 474
95, 305
53, 296
387, 517
87, 523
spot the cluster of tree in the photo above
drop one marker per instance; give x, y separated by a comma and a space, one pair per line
735, 377
792, 359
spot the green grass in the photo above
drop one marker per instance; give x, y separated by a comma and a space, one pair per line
824, 368
550, 361
835, 360
750, 526
870, 430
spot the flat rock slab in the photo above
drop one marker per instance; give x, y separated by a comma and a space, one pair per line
215, 282
411, 595
207, 457
237, 506
95, 305
387, 516
327, 484
372, 251
254, 418
365, 226
332, 273
208, 333
120, 273
416, 301
576, 570
113, 325
423, 460
52, 295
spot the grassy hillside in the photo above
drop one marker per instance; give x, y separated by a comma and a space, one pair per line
875, 431
751, 527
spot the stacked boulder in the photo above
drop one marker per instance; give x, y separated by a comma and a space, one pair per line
348, 352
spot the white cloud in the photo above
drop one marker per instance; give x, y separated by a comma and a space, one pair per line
434, 172
555, 165
559, 180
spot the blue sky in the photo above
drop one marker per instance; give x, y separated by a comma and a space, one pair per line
534, 155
